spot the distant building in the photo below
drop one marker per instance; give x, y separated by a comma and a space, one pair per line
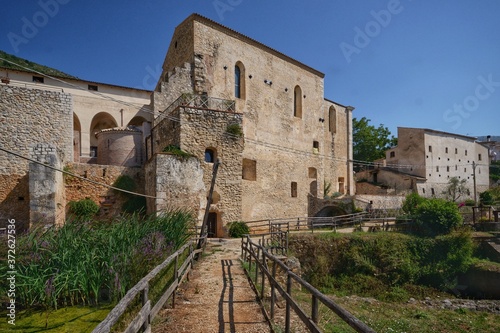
425, 160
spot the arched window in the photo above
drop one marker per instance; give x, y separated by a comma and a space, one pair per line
237, 82
210, 155
297, 102
332, 120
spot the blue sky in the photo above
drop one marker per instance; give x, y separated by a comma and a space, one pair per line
414, 63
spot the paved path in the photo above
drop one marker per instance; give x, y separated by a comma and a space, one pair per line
218, 297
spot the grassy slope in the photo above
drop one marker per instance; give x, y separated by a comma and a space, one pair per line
31, 65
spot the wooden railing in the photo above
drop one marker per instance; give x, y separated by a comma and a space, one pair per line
259, 259
142, 320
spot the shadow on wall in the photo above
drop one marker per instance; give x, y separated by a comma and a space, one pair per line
334, 210
16, 204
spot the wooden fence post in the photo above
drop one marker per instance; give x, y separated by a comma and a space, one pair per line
257, 266
273, 291
287, 311
314, 311
262, 276
176, 276
145, 298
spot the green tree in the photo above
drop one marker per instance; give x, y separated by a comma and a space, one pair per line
370, 142
437, 216
455, 189
495, 171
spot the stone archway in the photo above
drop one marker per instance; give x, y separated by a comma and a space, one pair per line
102, 120
331, 210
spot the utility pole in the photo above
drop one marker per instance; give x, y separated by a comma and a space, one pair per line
474, 179
475, 192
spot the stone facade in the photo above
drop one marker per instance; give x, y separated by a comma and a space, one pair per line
294, 142
434, 157
32, 123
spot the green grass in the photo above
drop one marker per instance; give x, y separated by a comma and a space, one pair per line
30, 65
69, 319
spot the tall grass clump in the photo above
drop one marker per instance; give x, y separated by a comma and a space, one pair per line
91, 263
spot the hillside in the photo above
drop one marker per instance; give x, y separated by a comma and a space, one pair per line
31, 65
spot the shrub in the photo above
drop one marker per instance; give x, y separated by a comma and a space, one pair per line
237, 229
411, 203
83, 209
125, 182
486, 198
470, 203
437, 216
234, 129
177, 151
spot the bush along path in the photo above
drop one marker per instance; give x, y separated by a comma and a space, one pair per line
218, 297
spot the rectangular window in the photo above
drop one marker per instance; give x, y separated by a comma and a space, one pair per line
92, 87
465, 152
432, 191
448, 169
446, 150
437, 169
38, 79
479, 157
249, 169
430, 149
315, 147
456, 150
294, 189
392, 154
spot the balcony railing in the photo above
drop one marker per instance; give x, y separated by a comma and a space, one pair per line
202, 102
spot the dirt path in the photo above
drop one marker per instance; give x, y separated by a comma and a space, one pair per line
218, 297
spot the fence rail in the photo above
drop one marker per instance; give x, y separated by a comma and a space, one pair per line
142, 320
259, 258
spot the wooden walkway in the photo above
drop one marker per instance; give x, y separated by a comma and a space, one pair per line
218, 297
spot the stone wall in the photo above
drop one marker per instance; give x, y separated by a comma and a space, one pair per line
110, 201
176, 182
46, 188
29, 117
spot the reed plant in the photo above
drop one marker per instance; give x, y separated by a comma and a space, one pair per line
89, 263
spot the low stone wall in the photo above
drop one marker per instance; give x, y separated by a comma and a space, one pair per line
110, 201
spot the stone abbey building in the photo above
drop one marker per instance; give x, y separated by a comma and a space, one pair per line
222, 97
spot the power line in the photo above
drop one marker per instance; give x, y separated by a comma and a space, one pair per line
77, 176
256, 142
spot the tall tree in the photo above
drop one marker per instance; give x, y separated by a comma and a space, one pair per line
370, 142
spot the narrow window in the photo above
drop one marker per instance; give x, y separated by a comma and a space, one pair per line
446, 150
456, 150
297, 102
294, 189
37, 79
432, 191
430, 149
92, 87
423, 190
332, 120
479, 157
465, 152
209, 155
393, 154
448, 169
437, 169
237, 81
249, 169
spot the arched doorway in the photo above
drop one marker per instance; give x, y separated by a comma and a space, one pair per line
77, 138
332, 210
102, 120
212, 224
137, 121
